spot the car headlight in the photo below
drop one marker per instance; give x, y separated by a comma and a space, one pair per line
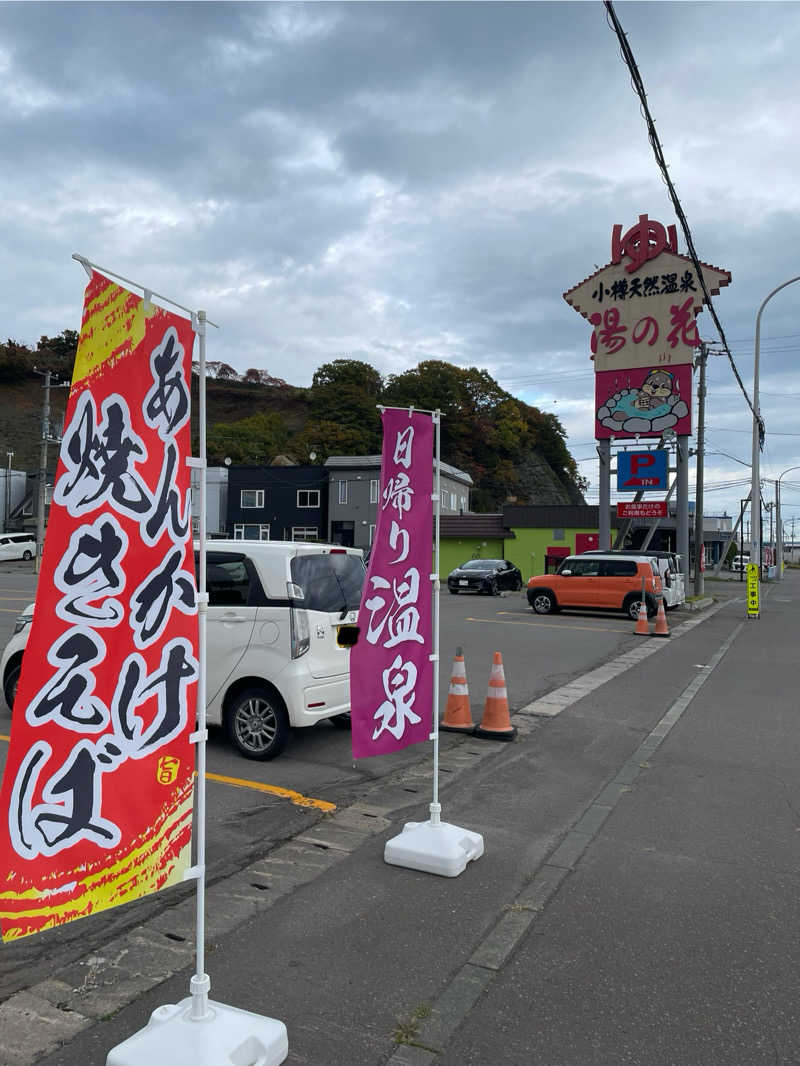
22, 621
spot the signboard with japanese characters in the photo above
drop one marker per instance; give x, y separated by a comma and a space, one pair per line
391, 675
642, 509
753, 605
97, 790
642, 307
643, 304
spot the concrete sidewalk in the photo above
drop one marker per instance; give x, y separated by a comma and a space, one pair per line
673, 939
611, 867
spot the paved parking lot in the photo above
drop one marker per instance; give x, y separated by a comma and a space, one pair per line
253, 805
248, 800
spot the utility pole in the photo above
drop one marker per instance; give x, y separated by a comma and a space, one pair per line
741, 546
778, 531
699, 577
604, 512
682, 510
738, 527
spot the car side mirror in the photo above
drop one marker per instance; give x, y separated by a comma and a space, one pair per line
347, 636
566, 573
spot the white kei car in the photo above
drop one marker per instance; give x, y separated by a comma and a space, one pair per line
274, 658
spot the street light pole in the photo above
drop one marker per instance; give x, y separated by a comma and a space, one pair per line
699, 577
779, 523
755, 492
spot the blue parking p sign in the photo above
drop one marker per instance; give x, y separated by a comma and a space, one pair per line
645, 471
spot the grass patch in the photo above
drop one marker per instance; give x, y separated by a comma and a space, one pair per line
407, 1029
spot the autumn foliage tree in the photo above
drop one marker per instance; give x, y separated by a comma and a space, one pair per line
500, 440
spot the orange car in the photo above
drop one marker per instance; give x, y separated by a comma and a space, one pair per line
598, 582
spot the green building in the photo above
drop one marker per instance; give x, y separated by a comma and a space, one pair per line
530, 537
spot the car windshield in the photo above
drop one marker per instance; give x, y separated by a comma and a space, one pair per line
480, 564
330, 582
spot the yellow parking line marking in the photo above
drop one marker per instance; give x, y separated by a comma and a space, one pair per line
286, 793
296, 797
548, 625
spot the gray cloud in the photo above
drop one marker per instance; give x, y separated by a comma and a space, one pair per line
404, 181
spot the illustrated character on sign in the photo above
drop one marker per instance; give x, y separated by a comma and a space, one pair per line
652, 407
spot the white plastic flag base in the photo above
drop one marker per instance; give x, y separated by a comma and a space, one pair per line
434, 848
225, 1036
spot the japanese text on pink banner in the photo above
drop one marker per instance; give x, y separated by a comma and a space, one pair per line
390, 669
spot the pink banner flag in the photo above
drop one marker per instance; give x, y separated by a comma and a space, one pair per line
391, 675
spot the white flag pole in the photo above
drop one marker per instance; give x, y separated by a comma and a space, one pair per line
200, 984
435, 847
167, 1037
436, 807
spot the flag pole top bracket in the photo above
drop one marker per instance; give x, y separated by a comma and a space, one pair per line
83, 262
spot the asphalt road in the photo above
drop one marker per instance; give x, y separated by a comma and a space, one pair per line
252, 805
635, 902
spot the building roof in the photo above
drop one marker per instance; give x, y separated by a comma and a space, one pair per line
556, 516
369, 461
474, 525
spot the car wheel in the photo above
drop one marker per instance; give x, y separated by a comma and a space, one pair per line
27, 555
257, 724
543, 603
632, 607
342, 721
10, 683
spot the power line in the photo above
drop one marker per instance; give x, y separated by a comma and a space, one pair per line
638, 85
773, 432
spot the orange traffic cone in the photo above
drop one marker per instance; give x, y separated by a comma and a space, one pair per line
661, 629
496, 722
457, 715
642, 628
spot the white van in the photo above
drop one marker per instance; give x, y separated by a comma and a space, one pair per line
17, 546
274, 660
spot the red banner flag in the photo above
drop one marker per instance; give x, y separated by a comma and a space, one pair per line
391, 675
98, 784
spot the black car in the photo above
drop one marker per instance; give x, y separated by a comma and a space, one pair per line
484, 575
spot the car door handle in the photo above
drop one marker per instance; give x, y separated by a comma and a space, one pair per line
230, 617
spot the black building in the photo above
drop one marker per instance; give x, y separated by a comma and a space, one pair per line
277, 503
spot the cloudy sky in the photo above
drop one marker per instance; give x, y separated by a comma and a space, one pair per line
395, 182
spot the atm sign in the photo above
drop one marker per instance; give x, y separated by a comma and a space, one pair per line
642, 471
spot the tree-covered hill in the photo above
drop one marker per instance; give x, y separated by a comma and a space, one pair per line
513, 451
